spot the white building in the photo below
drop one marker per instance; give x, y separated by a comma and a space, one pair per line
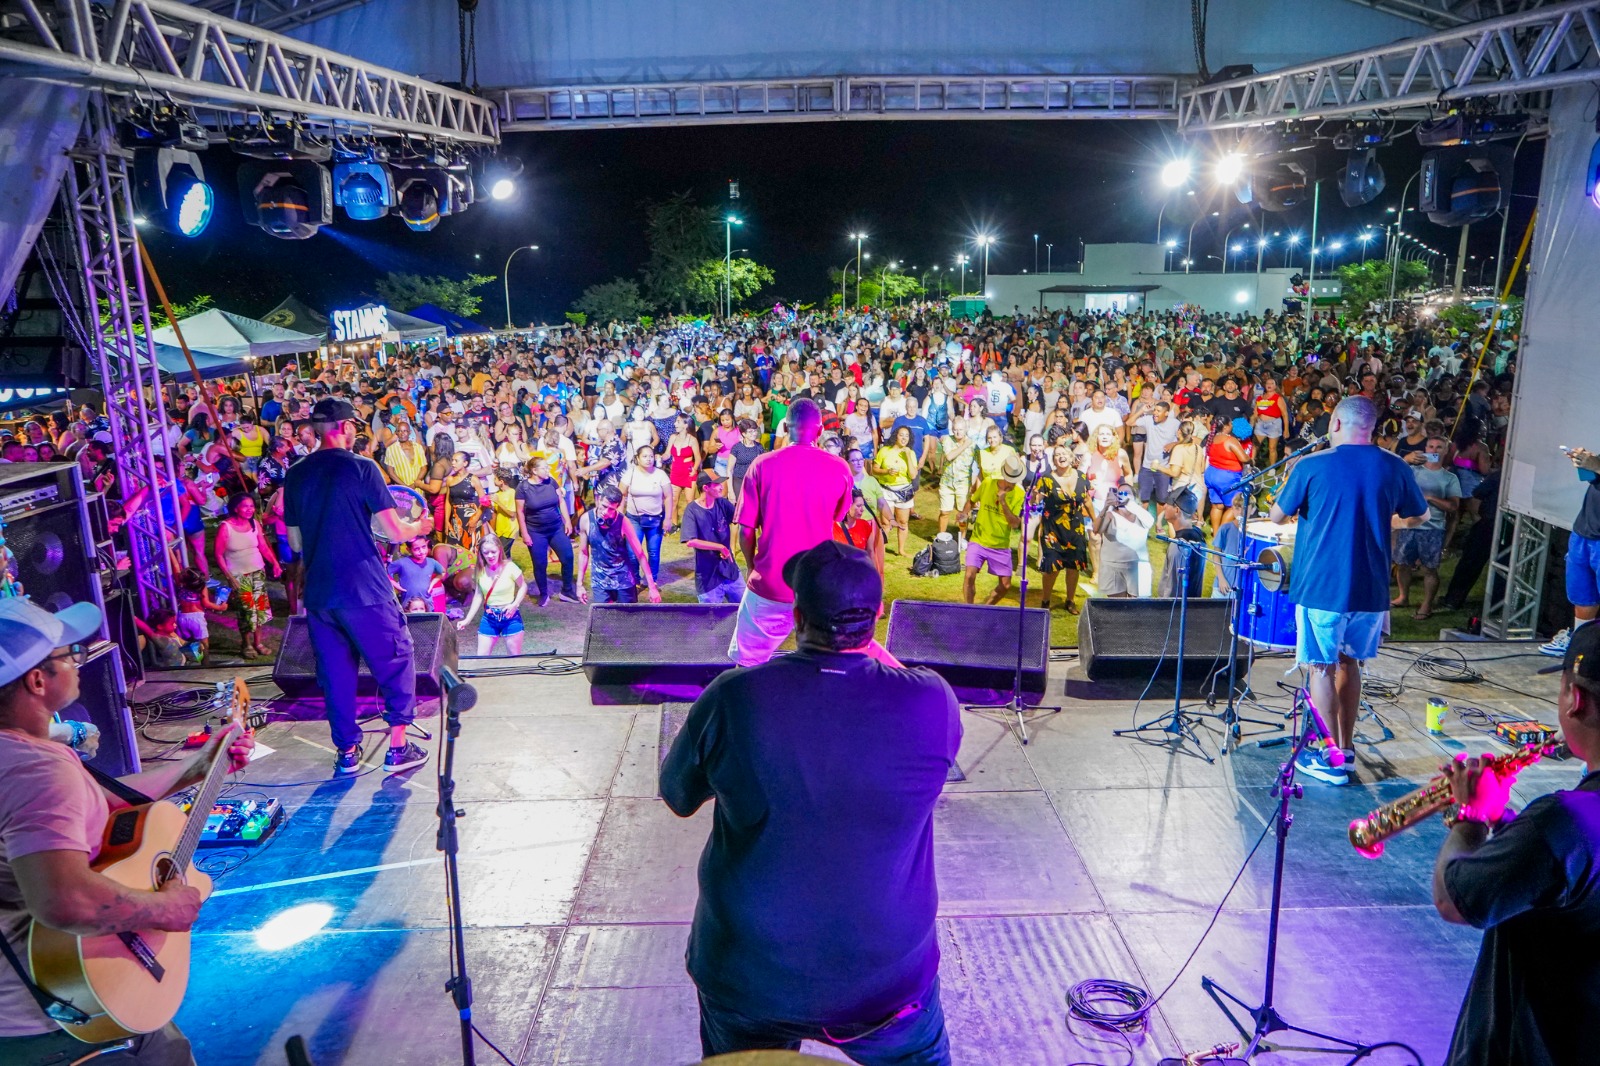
1124, 276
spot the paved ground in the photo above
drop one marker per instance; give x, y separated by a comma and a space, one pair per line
1079, 856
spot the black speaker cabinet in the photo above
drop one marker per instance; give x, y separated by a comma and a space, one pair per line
972, 646
47, 534
102, 700
1135, 639
656, 653
433, 647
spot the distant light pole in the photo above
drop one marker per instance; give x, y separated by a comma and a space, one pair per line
1227, 246
858, 238
1166, 258
1365, 238
727, 262
1049, 258
1188, 248
984, 240
962, 260
505, 275
1036, 253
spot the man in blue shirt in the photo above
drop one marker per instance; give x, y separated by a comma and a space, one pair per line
1347, 500
330, 499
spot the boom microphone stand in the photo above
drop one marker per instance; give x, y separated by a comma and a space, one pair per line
1015, 713
1266, 1016
458, 696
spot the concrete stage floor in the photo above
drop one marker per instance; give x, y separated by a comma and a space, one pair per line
1078, 856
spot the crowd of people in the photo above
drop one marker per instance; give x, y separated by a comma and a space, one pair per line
556, 462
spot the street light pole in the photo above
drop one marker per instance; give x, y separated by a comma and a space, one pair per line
728, 223
1227, 241
505, 276
962, 259
1036, 253
1049, 258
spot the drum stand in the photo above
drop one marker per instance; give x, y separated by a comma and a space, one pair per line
1177, 725
1232, 721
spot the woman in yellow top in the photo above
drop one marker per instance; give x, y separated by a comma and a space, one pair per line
993, 455
503, 508
499, 588
249, 442
895, 468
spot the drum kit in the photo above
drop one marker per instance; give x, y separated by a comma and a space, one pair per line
1263, 614
408, 503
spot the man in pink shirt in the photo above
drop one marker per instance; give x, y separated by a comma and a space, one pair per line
790, 501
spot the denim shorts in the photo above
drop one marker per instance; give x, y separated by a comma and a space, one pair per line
1583, 571
1322, 636
1224, 484
495, 624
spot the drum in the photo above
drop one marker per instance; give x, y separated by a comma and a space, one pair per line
410, 504
1264, 615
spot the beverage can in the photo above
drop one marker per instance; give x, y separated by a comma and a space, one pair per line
1437, 709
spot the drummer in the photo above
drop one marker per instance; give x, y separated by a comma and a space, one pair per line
331, 498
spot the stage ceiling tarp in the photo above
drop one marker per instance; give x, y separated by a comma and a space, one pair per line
224, 333
566, 42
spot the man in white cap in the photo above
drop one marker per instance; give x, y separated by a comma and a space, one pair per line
53, 814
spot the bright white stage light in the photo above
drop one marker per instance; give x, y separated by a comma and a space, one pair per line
1230, 168
502, 189
1175, 172
293, 926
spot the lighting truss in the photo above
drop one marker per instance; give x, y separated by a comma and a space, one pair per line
163, 48
96, 198
1152, 96
1532, 51
1445, 14
279, 14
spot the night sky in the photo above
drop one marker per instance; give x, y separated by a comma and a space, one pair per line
920, 189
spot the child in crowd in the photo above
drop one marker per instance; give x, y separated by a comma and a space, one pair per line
194, 600
418, 576
159, 642
1179, 511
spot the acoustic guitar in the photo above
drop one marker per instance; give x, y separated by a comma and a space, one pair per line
133, 983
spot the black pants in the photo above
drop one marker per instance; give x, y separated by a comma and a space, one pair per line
543, 541
1474, 557
164, 1047
378, 634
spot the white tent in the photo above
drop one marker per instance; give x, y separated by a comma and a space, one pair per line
224, 333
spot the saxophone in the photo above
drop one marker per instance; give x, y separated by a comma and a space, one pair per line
1368, 834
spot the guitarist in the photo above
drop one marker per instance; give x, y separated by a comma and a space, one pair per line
53, 816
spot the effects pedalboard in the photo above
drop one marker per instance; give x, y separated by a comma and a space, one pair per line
1521, 734
240, 823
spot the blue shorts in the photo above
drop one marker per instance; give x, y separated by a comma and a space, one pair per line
1420, 547
1583, 571
1322, 636
1224, 485
495, 624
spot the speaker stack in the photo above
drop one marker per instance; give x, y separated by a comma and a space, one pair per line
656, 653
433, 648
972, 646
1137, 639
52, 551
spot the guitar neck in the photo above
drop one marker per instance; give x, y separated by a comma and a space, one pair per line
206, 795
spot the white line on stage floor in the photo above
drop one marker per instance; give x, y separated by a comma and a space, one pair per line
326, 877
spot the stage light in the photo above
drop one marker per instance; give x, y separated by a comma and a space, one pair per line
1463, 185
364, 188
502, 189
1176, 172
289, 198
170, 190
499, 176
1362, 178
1284, 184
419, 205
1591, 184
293, 926
1230, 168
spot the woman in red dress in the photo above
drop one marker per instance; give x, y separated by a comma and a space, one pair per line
683, 453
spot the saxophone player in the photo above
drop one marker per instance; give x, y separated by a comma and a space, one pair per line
1532, 884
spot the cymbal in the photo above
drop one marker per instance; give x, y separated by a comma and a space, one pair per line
767, 1058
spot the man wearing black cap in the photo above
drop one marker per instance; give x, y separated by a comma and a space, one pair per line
1532, 883
329, 501
817, 893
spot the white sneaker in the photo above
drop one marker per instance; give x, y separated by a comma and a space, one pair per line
1557, 645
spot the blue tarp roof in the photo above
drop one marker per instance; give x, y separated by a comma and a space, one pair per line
453, 323
173, 364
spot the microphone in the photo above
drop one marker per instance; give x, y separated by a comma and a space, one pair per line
460, 695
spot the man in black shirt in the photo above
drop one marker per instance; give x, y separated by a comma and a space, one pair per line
817, 893
330, 499
1532, 883
708, 529
1229, 405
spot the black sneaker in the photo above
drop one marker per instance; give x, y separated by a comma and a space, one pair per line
349, 761
544, 599
568, 597
404, 758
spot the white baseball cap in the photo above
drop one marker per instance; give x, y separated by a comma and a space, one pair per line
29, 633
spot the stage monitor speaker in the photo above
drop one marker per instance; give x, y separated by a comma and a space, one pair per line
51, 551
433, 647
102, 700
972, 646
1136, 639
656, 653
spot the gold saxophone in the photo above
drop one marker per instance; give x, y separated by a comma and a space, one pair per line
1368, 834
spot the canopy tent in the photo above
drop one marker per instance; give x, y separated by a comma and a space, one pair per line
404, 327
293, 314
227, 334
453, 323
210, 364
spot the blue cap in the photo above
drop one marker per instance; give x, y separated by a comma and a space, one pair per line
1241, 428
29, 633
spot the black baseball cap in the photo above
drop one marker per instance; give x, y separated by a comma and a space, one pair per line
333, 410
1583, 654
710, 477
836, 586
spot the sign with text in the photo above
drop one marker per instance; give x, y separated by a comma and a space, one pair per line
360, 323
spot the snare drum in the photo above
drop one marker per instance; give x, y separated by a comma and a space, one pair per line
1264, 614
408, 502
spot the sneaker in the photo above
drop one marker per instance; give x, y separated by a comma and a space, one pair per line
544, 599
1315, 764
1557, 645
349, 761
1349, 759
568, 597
404, 758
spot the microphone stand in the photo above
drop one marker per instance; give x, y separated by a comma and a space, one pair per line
1266, 1016
1177, 724
1015, 713
458, 696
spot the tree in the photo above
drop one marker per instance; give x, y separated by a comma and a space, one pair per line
682, 236
158, 317
878, 287
705, 282
1368, 283
403, 292
617, 300
578, 318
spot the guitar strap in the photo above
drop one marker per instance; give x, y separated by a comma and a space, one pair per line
54, 1007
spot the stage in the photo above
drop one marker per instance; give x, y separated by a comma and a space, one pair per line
1076, 857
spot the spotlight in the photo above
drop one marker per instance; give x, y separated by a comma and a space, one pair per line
364, 189
1362, 179
170, 190
1284, 185
1175, 172
502, 189
290, 199
1463, 185
1591, 183
419, 205
1230, 168
499, 176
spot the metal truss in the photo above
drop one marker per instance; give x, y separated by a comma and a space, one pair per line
1514, 593
1528, 52
1445, 14
163, 48
1151, 96
97, 202
278, 14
